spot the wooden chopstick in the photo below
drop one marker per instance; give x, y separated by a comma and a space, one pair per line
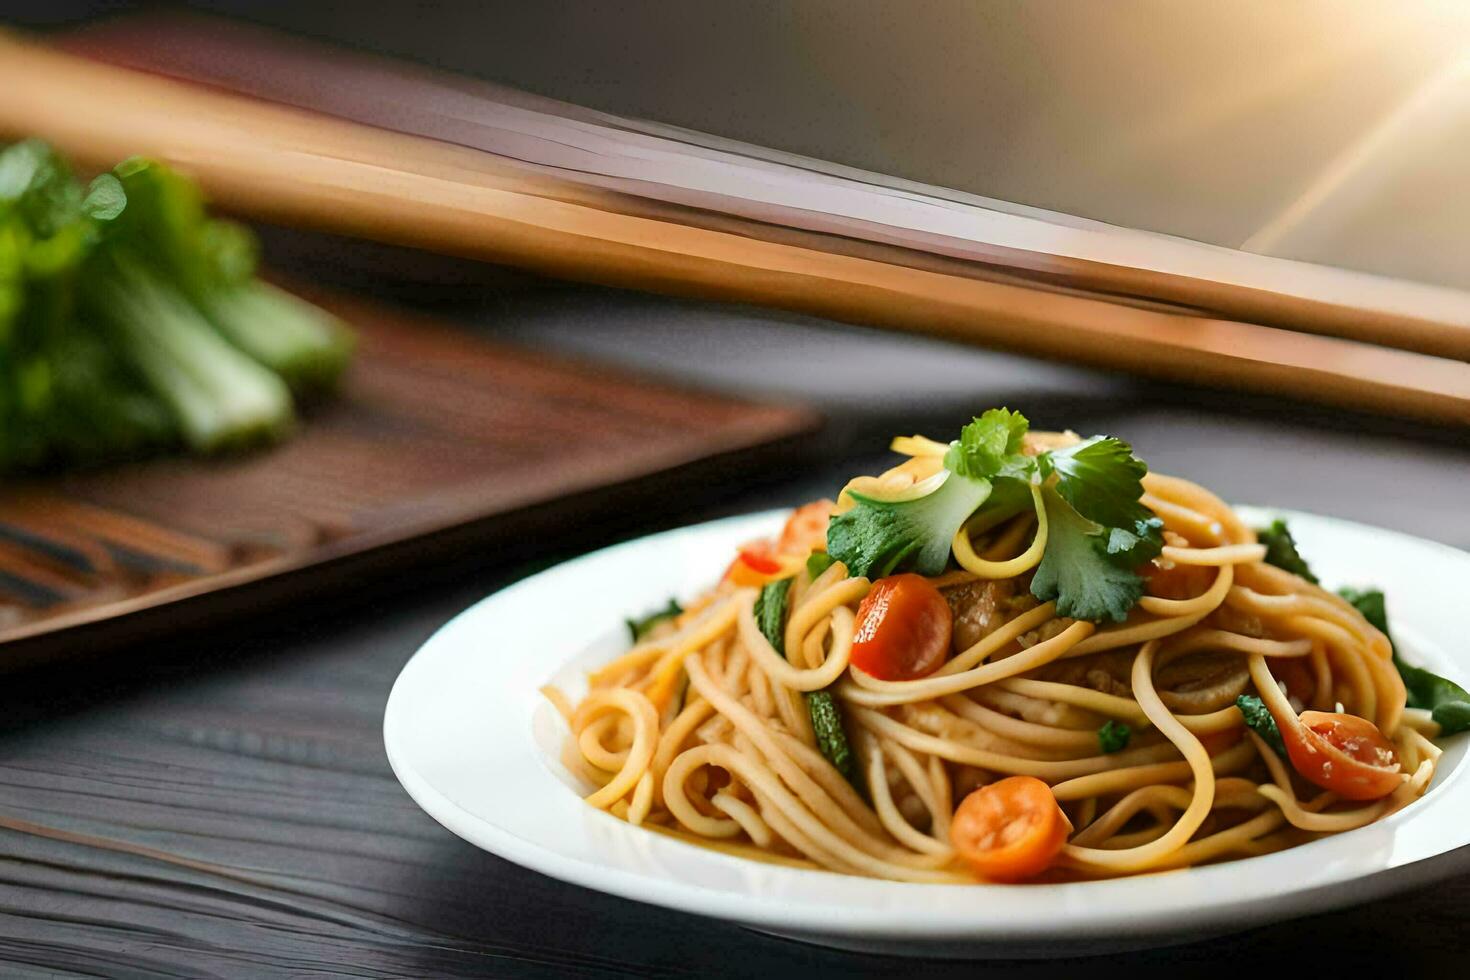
776, 196
291, 166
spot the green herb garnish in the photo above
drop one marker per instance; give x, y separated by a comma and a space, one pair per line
826, 715
1099, 532
641, 627
1447, 702
770, 613
1281, 550
1113, 736
1259, 719
825, 712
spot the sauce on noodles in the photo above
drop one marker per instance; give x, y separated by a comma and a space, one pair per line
1128, 738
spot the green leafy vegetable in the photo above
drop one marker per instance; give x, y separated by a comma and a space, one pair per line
914, 531
1076, 569
1373, 606
130, 321
64, 396
990, 447
221, 398
1448, 702
212, 263
825, 712
826, 715
1099, 532
770, 613
1258, 718
817, 563
1103, 481
1281, 550
641, 627
1114, 736
880, 537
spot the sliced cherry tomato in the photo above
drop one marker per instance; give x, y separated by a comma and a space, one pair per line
903, 629
806, 529
1342, 753
1010, 830
760, 557
755, 564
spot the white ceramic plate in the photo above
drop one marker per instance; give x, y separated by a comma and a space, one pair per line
476, 746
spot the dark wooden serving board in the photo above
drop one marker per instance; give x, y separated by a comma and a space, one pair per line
438, 441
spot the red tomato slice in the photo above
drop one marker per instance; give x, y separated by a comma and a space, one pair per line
755, 564
1010, 830
1342, 753
903, 629
760, 557
806, 529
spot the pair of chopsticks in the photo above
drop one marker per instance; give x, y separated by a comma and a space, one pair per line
483, 178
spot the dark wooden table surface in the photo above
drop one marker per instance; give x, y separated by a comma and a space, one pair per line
222, 806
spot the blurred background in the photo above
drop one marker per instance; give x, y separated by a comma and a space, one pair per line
1325, 131
1330, 133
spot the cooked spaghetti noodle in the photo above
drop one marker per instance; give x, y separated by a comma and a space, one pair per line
709, 727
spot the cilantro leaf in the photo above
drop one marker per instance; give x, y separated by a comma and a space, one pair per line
1113, 736
1099, 529
1448, 702
639, 628
1103, 481
1131, 548
1281, 551
990, 447
1075, 569
1260, 720
881, 537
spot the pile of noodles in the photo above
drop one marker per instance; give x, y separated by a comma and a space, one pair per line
701, 731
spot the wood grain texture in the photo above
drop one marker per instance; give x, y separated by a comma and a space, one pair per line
262, 759
295, 167
434, 429
254, 756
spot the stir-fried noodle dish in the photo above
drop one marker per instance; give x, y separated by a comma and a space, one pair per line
1018, 656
